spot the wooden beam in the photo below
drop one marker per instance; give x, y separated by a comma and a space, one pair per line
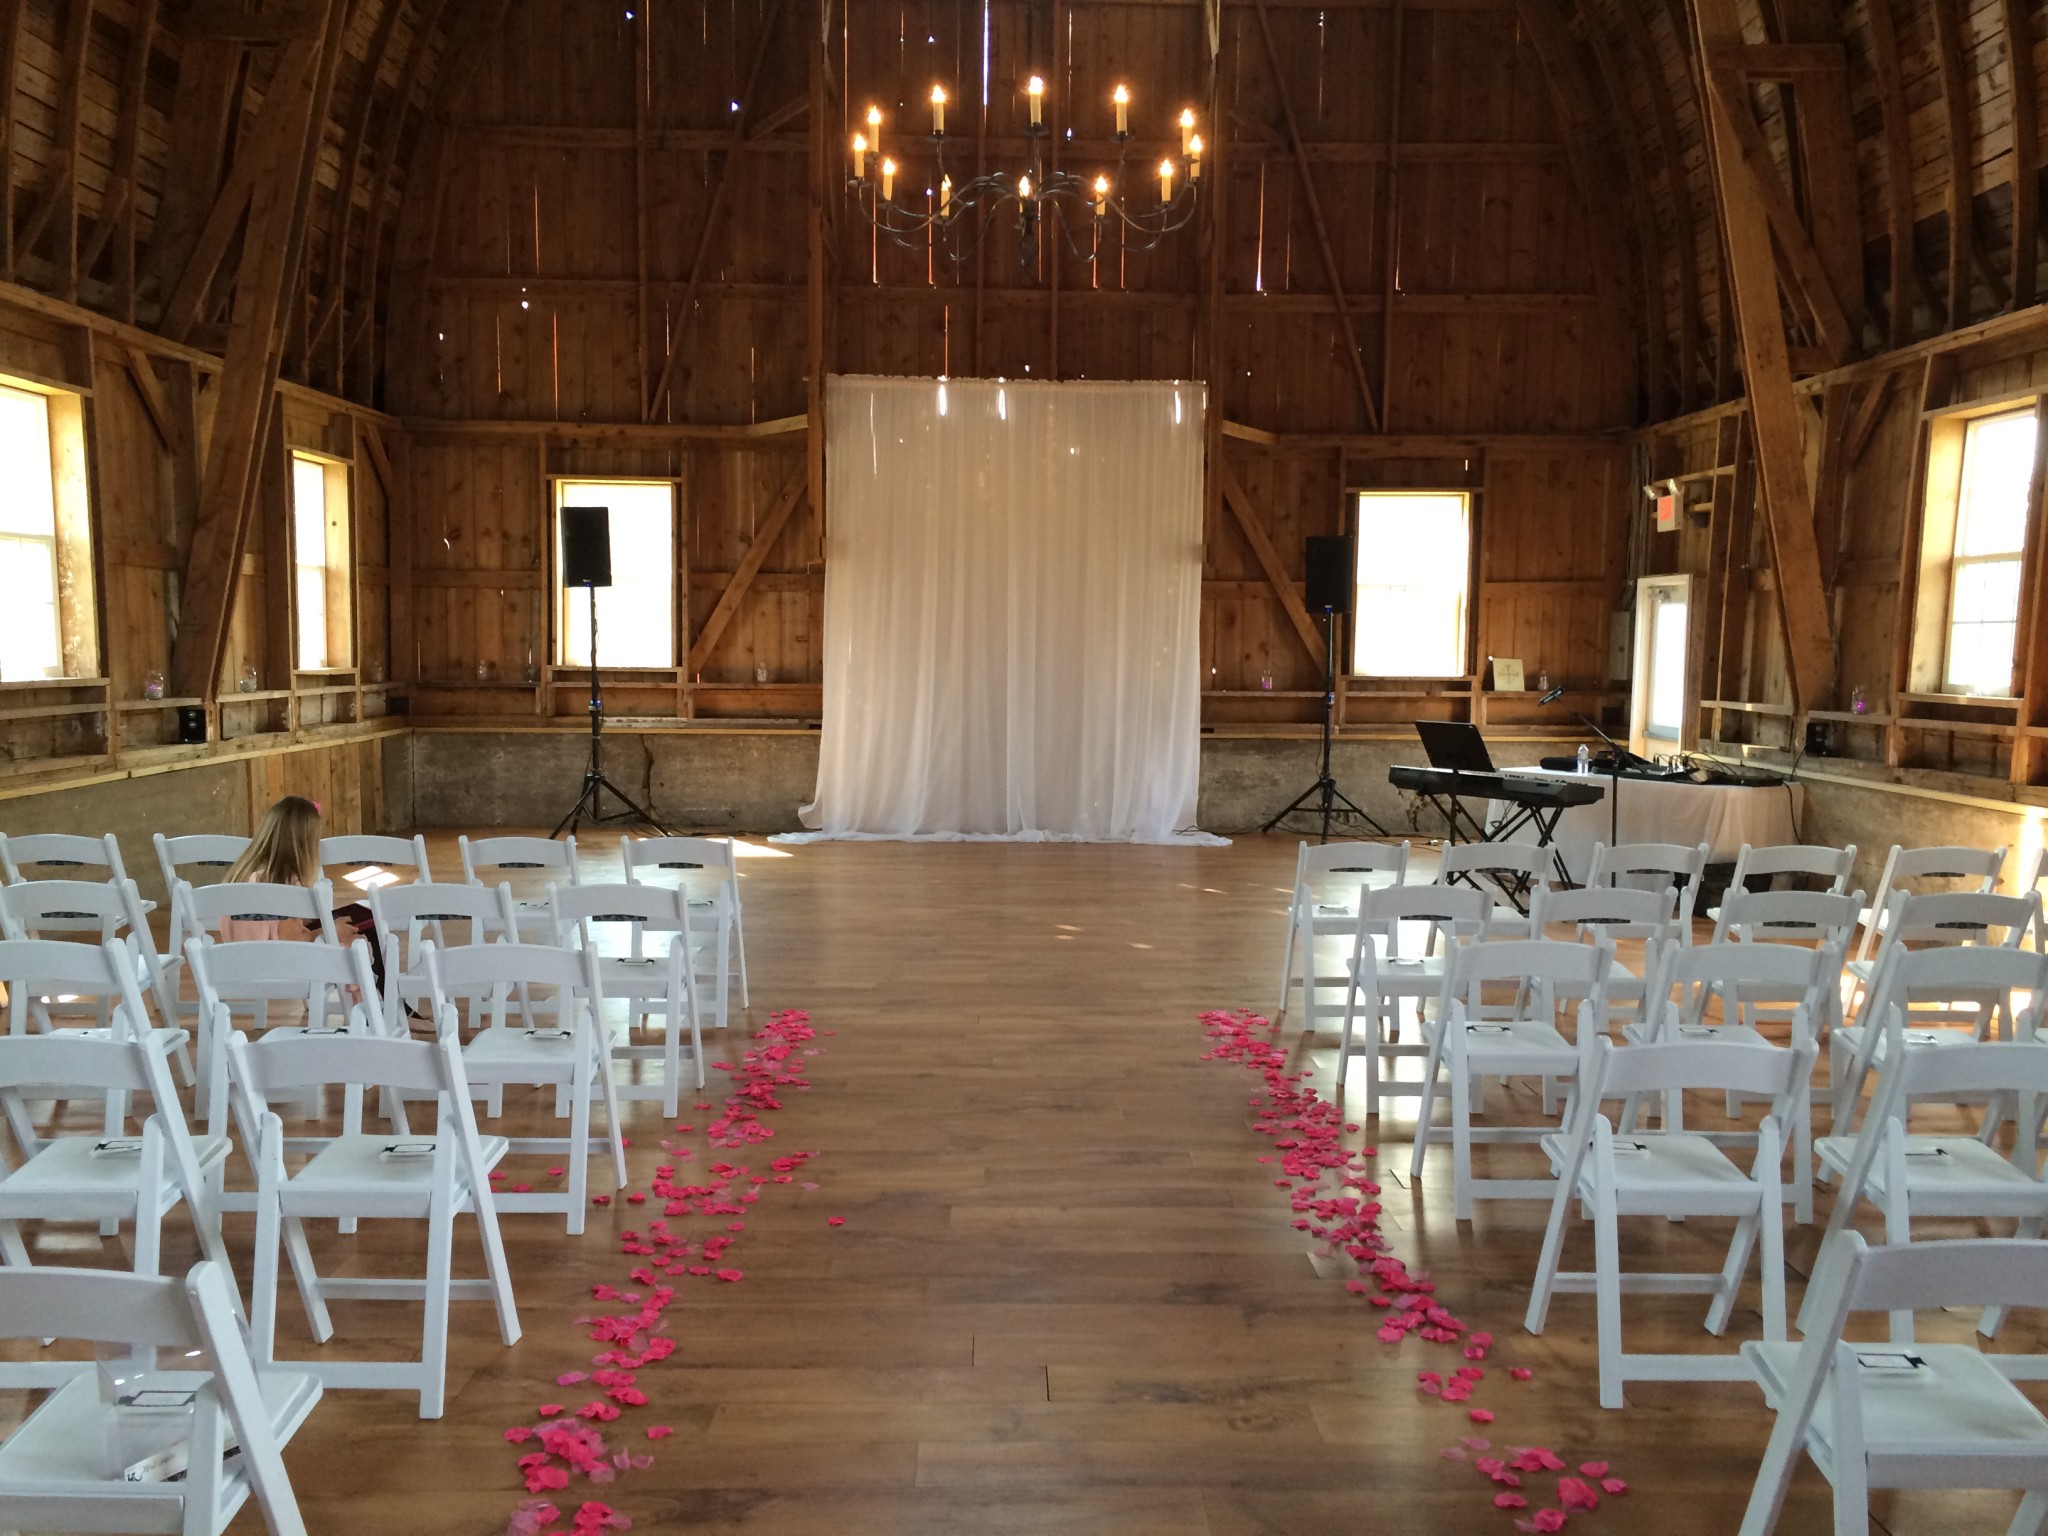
1831, 482
1691, 336
117, 205
60, 177
749, 567
1612, 79
1767, 373
231, 21
1285, 588
11, 13
1868, 414
248, 384
1390, 228
1898, 161
2018, 29
824, 163
155, 402
1955, 101
1352, 354
210, 89
1793, 63
713, 214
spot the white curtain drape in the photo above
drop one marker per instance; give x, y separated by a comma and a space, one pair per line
1012, 603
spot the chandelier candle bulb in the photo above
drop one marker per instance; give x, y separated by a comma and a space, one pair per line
938, 111
1165, 180
1187, 131
1122, 97
1194, 153
875, 129
1034, 91
1101, 196
1024, 189
860, 157
888, 181
945, 195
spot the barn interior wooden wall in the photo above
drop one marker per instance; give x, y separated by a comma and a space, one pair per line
1547, 250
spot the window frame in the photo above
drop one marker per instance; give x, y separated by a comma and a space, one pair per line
338, 517
557, 646
1354, 520
73, 547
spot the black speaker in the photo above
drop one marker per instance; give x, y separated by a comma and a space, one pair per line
586, 546
1328, 579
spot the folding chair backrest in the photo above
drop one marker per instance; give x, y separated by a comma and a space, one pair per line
1962, 918
1761, 1071
100, 1306
297, 1062
1988, 1066
253, 970
482, 853
1990, 977
201, 909
376, 848
1682, 861
490, 971
73, 1057
1766, 973
197, 850
1529, 859
659, 908
1607, 911
1798, 917
1347, 864
1548, 973
1457, 906
1819, 861
405, 913
35, 908
1979, 866
28, 856
49, 968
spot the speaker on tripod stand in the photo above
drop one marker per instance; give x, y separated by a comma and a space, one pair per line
587, 563
1328, 572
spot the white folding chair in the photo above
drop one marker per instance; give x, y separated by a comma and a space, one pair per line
106, 1176
1984, 983
1887, 1416
175, 856
178, 1450
572, 1056
40, 975
1905, 871
711, 883
1604, 914
1651, 866
556, 858
1756, 868
1783, 977
645, 983
90, 910
32, 855
1673, 1174
1324, 905
1464, 1046
1822, 921
1906, 1174
408, 917
394, 1175
381, 850
1391, 963
1511, 875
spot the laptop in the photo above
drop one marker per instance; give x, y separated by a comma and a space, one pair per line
1455, 746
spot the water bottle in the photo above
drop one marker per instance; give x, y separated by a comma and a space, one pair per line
1585, 758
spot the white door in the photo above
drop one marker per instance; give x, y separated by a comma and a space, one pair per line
1659, 721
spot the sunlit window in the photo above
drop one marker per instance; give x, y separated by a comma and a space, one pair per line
320, 512
1991, 536
636, 613
1413, 552
31, 643
1666, 716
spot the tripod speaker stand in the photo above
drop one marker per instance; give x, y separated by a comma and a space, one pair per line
1328, 587
587, 563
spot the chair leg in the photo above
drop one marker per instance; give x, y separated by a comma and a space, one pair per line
671, 1063
1852, 1496
1607, 1303
434, 1328
579, 1158
1461, 1141
614, 1131
1286, 960
1898, 1229
496, 1270
308, 1279
739, 944
1547, 1261
1993, 1318
1732, 1270
2032, 1518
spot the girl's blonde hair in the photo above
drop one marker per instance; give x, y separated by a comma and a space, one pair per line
286, 847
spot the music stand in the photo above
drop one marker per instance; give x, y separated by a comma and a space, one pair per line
586, 545
1324, 792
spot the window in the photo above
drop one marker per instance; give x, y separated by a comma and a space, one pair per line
49, 624
1414, 548
636, 613
320, 536
1990, 538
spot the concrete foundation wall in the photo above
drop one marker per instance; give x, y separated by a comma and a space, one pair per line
1875, 816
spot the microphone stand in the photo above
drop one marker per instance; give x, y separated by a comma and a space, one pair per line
1615, 753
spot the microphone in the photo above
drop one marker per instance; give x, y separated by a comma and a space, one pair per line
1552, 697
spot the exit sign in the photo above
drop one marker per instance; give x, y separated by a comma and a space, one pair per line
1667, 512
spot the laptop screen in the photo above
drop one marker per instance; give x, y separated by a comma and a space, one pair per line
1454, 745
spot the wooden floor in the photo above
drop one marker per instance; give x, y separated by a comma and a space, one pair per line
1067, 1296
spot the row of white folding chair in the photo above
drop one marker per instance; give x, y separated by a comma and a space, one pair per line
65, 1466
1927, 1416
1323, 903
1651, 866
1905, 872
88, 911
364, 1175
1672, 1174
30, 855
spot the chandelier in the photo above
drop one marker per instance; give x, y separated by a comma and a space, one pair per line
1082, 209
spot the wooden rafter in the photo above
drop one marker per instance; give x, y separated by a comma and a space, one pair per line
60, 181
1609, 65
1767, 376
289, 136
155, 403
1680, 20
818, 292
713, 215
1814, 65
1284, 586
1869, 412
1963, 248
1906, 276
2026, 151
1352, 354
735, 593
117, 205
1685, 235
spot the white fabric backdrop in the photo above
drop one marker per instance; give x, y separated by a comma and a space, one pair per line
1013, 583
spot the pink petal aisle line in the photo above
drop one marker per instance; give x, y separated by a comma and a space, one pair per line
568, 1442
1307, 1134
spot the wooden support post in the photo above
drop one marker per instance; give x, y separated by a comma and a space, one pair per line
1390, 220
1215, 258
742, 582
1352, 354
1830, 480
250, 364
2026, 151
1284, 586
162, 415
817, 277
1767, 376
679, 330
1937, 378
643, 233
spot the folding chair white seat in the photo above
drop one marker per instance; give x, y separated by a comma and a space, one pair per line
1464, 1048
1390, 965
63, 1468
1886, 1416
1955, 982
1755, 868
1651, 867
711, 883
648, 984
573, 1055
555, 858
1511, 875
1324, 906
358, 1175
1671, 1174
